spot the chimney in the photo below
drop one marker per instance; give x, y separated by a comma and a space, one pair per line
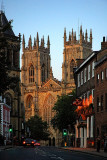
103, 44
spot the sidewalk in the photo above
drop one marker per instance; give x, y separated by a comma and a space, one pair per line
6, 147
88, 151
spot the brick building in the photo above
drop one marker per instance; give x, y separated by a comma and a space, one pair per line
100, 98
85, 87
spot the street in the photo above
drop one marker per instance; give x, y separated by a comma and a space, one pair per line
44, 153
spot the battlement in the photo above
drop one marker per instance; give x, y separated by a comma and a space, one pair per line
35, 45
83, 39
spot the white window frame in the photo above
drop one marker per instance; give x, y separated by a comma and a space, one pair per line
82, 78
85, 75
89, 72
102, 75
79, 80
93, 64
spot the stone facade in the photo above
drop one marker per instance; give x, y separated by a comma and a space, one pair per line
39, 88
74, 49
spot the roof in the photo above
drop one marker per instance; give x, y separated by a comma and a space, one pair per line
4, 23
86, 60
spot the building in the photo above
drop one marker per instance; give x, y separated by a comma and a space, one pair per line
74, 49
4, 119
39, 88
85, 88
11, 48
100, 98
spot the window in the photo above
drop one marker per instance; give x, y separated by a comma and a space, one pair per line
84, 75
88, 72
79, 80
92, 95
82, 78
93, 69
101, 102
106, 101
97, 104
98, 78
102, 76
31, 74
106, 73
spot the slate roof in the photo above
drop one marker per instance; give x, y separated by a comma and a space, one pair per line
3, 23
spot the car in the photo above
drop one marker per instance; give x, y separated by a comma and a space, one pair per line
28, 142
36, 143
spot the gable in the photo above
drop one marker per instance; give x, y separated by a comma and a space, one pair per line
51, 84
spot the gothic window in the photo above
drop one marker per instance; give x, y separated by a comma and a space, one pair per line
31, 74
29, 101
43, 72
48, 105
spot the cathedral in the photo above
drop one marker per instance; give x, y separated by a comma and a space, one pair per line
39, 88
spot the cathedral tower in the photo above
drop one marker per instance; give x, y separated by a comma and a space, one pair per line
74, 49
35, 71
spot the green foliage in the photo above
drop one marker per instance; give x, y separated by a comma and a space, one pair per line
65, 112
38, 128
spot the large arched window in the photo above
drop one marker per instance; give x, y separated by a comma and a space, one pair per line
31, 74
72, 65
47, 111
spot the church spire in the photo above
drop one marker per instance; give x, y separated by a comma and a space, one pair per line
81, 34
91, 37
30, 42
23, 43
72, 35
64, 37
69, 36
86, 36
37, 41
48, 43
34, 45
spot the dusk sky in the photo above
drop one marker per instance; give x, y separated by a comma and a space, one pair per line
50, 17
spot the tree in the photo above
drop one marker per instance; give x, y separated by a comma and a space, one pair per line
65, 116
38, 128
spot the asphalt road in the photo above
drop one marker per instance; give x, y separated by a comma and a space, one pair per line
44, 153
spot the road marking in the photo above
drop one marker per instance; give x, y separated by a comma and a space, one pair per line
60, 158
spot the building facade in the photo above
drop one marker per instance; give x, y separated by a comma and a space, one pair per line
101, 93
11, 49
4, 119
85, 88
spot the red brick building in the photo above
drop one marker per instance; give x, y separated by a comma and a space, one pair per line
100, 98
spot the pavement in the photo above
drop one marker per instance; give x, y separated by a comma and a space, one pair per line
91, 151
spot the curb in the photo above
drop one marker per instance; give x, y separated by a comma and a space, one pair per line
90, 153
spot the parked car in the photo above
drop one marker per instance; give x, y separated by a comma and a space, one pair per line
36, 143
28, 142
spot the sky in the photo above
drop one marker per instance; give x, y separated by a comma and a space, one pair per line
50, 17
